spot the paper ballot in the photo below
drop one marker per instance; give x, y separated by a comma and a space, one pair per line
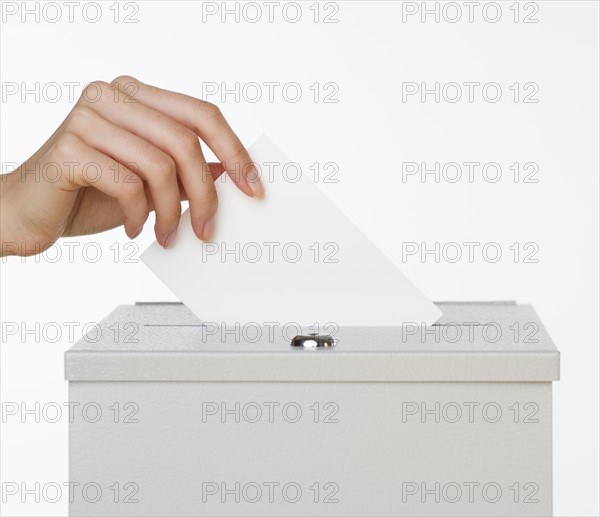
290, 258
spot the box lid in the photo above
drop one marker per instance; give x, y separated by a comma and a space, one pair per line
473, 341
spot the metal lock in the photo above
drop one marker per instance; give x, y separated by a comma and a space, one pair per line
314, 340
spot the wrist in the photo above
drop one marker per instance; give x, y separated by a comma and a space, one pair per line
9, 243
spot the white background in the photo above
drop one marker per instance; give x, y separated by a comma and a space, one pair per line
370, 132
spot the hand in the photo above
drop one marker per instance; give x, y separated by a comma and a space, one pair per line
126, 148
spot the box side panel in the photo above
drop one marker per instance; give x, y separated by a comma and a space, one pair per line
314, 366
332, 449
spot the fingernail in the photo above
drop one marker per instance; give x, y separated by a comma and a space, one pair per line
253, 180
170, 239
138, 232
208, 229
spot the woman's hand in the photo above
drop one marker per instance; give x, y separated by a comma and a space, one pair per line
126, 148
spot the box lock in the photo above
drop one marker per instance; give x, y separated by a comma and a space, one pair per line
314, 340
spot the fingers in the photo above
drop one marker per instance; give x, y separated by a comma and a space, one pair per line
216, 169
95, 169
174, 139
154, 166
206, 121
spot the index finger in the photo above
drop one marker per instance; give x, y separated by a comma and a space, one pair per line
207, 121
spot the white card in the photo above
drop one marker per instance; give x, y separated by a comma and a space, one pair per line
292, 257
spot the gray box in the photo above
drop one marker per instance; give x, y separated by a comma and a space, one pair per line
180, 418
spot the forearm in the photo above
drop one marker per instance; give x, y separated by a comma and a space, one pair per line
21, 204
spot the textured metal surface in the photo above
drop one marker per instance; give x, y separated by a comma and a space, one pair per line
362, 448
486, 341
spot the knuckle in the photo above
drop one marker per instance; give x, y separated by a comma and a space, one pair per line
209, 110
165, 166
80, 117
208, 201
94, 91
187, 140
131, 187
240, 156
66, 146
123, 79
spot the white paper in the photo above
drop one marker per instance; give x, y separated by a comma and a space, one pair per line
292, 257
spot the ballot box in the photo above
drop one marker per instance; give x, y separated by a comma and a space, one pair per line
173, 416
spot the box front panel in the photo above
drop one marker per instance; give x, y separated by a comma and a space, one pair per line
331, 449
